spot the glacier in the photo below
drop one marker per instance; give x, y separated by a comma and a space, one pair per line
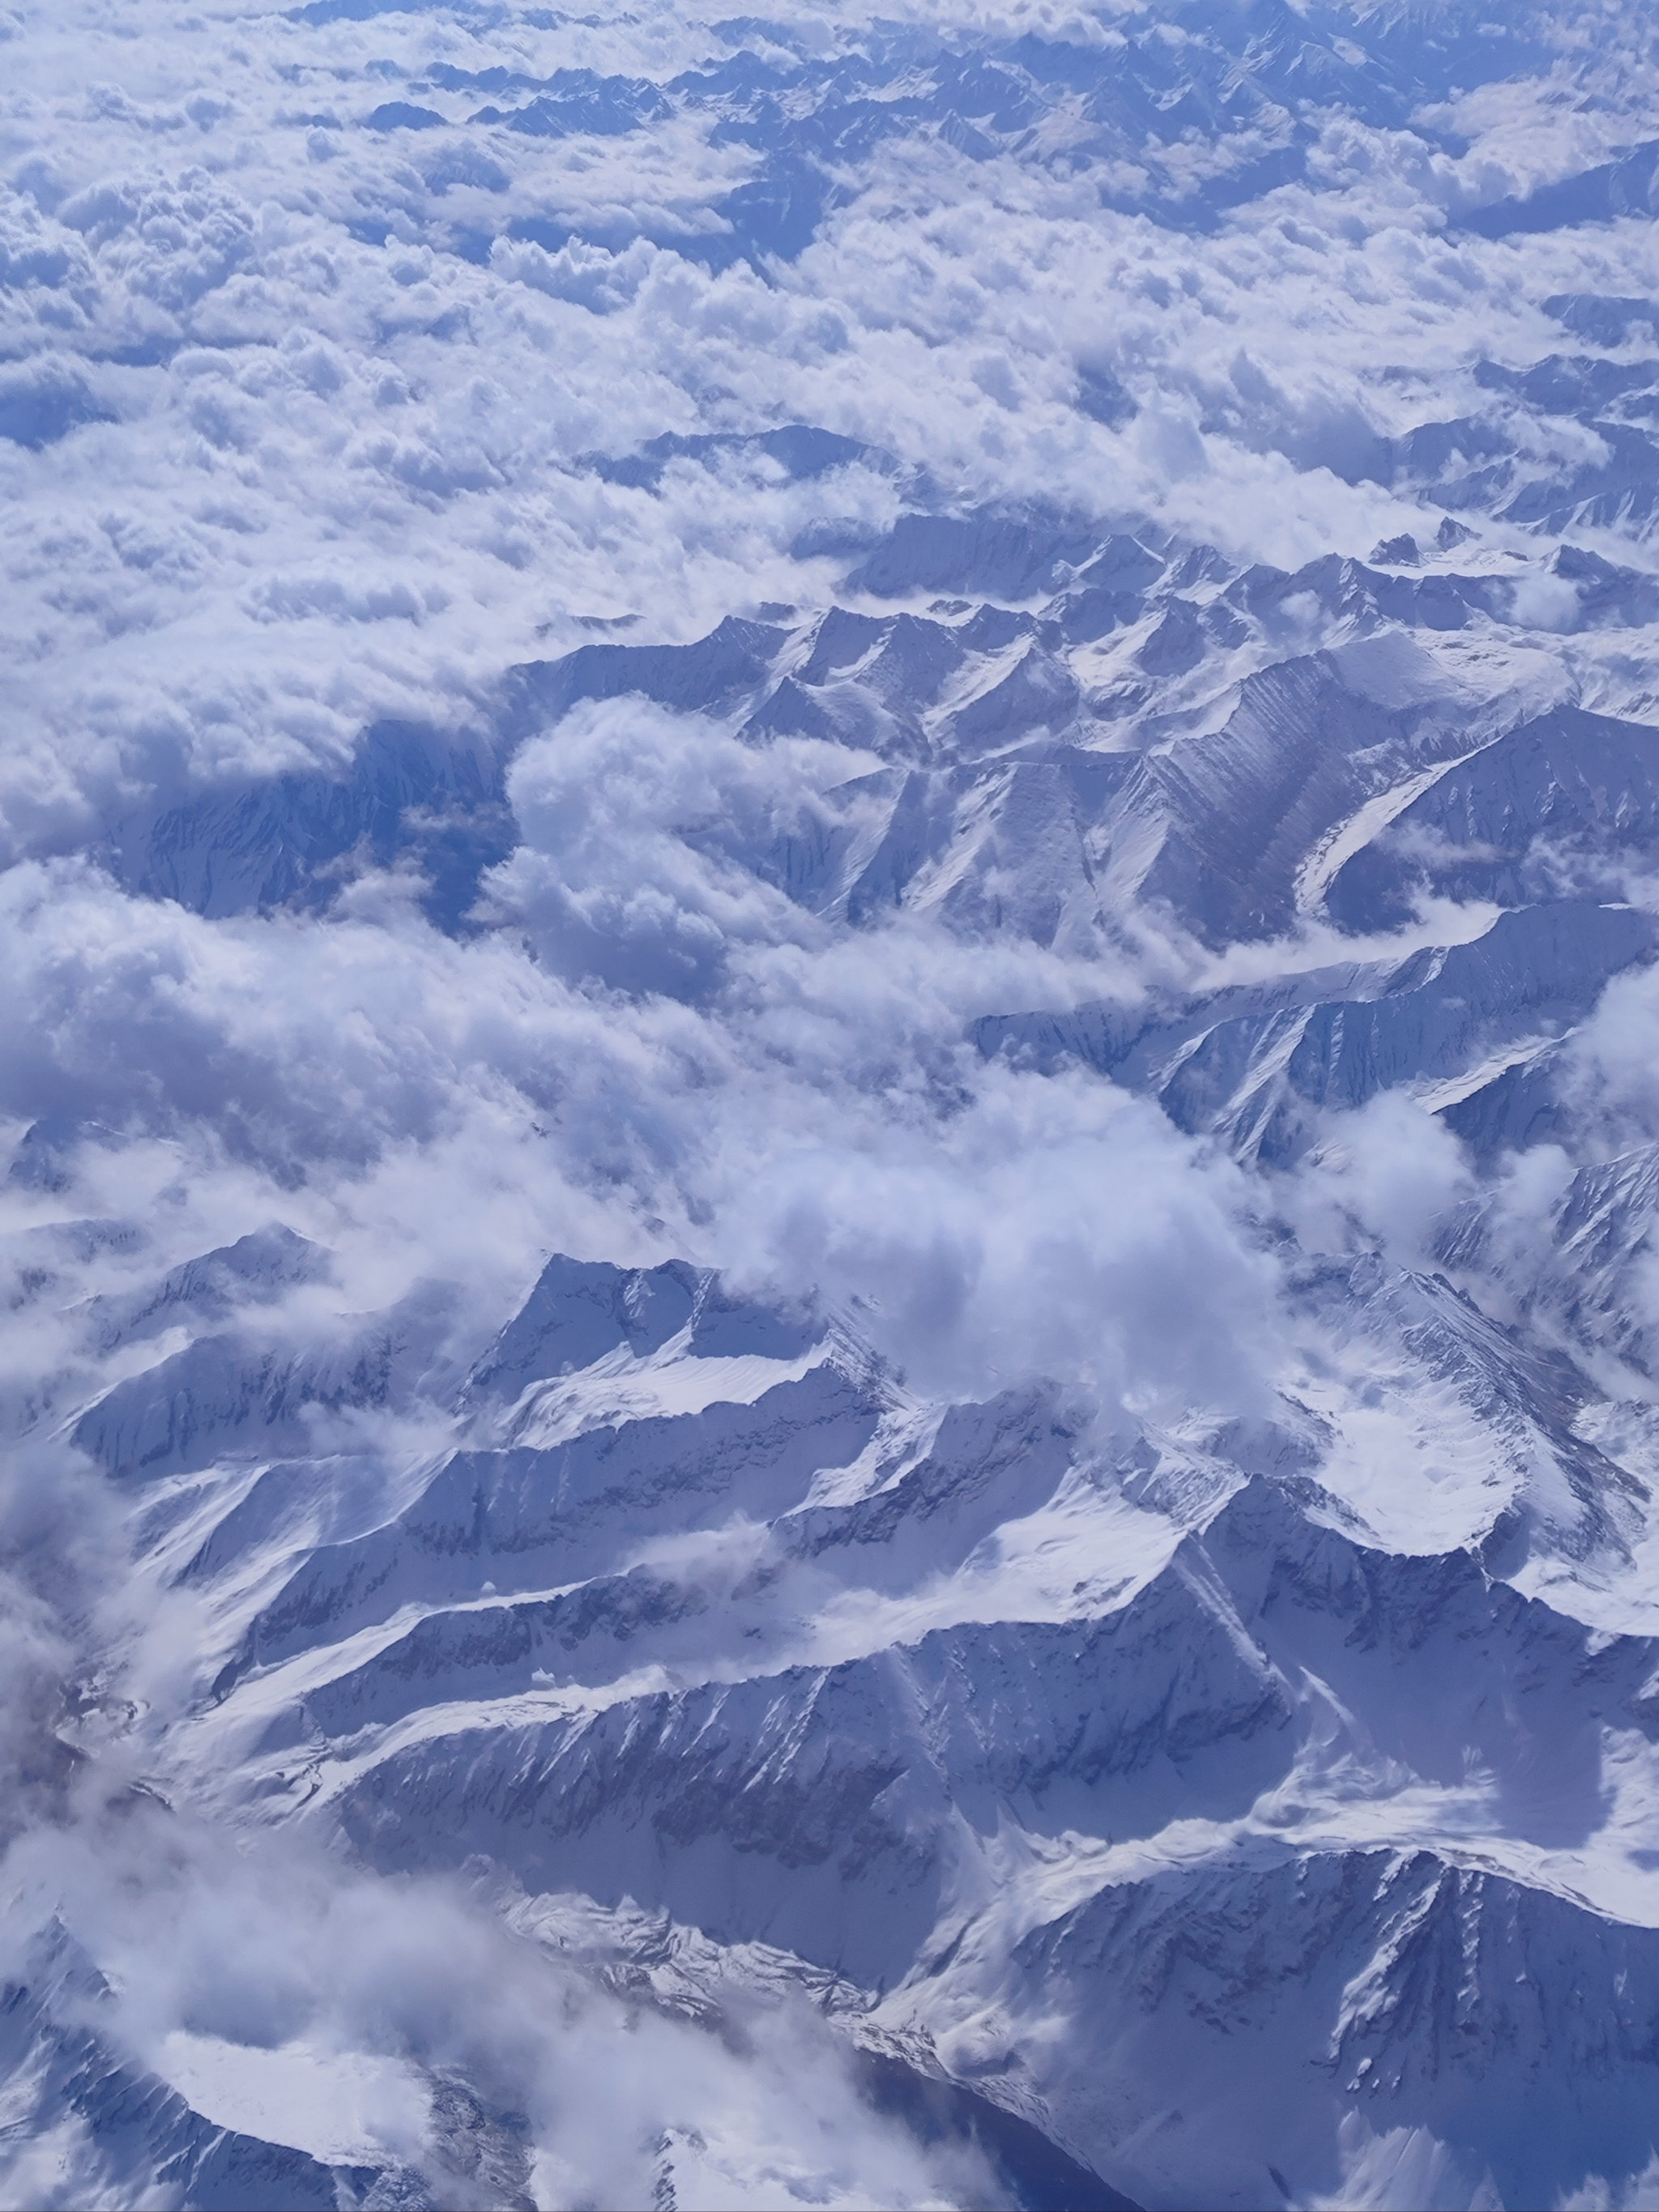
831, 1148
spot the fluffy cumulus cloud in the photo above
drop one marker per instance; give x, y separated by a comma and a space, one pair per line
306, 371
863, 650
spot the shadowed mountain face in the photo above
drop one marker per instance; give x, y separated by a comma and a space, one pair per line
829, 887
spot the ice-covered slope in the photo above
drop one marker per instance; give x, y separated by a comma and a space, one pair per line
1279, 1783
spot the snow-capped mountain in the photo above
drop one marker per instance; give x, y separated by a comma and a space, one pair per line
829, 887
